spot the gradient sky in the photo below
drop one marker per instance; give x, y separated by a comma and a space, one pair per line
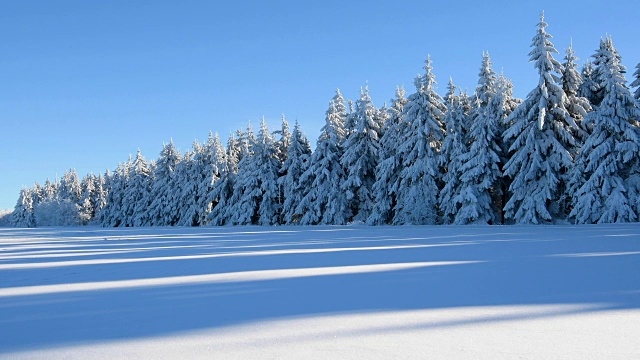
83, 84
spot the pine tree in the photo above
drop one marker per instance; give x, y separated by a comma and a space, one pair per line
390, 163
360, 158
589, 84
454, 146
324, 202
609, 163
297, 162
418, 188
541, 135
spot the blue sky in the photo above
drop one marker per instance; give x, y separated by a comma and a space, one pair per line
83, 84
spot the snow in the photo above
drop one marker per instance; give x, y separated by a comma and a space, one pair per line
344, 292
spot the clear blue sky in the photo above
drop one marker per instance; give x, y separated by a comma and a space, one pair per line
83, 84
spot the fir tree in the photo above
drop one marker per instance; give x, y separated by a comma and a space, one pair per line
636, 82
418, 188
577, 106
297, 162
453, 147
360, 158
609, 163
601, 58
390, 163
324, 202
542, 137
161, 211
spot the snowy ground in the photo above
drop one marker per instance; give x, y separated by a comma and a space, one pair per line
512, 292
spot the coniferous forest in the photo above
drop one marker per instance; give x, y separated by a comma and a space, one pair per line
567, 153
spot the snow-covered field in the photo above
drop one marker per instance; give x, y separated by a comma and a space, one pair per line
503, 292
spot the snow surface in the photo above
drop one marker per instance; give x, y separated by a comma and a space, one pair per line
333, 292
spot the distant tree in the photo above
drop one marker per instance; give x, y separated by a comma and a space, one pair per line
390, 164
360, 158
454, 146
161, 210
609, 162
577, 106
542, 137
418, 181
636, 82
23, 214
137, 194
296, 163
324, 202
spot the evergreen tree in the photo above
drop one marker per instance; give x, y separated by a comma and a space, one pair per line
418, 188
636, 82
161, 212
324, 202
23, 213
609, 162
589, 84
601, 58
297, 162
454, 146
390, 163
577, 106
542, 136
360, 158
189, 173
212, 160
136, 196
222, 190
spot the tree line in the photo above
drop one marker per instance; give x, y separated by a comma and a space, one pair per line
568, 152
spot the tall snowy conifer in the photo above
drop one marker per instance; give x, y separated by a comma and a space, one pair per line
296, 163
325, 202
161, 212
481, 173
418, 182
636, 82
136, 197
601, 58
542, 139
576, 105
360, 158
454, 146
390, 163
609, 162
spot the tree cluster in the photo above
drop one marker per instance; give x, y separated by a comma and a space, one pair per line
568, 152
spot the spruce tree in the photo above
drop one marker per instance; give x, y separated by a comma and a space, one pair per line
601, 58
418, 181
636, 82
454, 146
609, 163
360, 158
161, 211
576, 105
324, 202
542, 139
297, 162
390, 163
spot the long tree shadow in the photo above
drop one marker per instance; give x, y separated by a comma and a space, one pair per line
354, 271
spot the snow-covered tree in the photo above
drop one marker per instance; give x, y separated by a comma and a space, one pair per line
360, 158
161, 212
255, 192
23, 213
589, 84
284, 139
112, 215
212, 159
418, 188
324, 202
609, 158
454, 146
390, 163
576, 105
69, 187
601, 58
222, 189
296, 163
636, 82
542, 139
137, 194
188, 176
